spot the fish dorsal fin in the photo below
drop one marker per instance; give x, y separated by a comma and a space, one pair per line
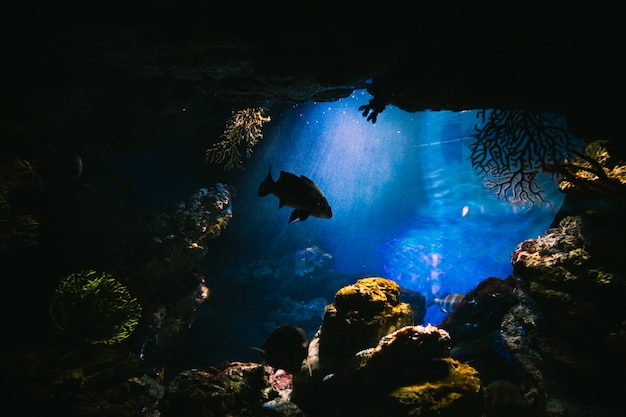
306, 179
287, 175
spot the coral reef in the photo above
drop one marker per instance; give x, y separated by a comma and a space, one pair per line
95, 307
481, 310
455, 391
176, 241
594, 172
409, 349
242, 129
545, 341
311, 259
571, 286
405, 371
441, 386
552, 328
236, 387
113, 78
571, 273
361, 314
99, 381
158, 264
511, 148
180, 235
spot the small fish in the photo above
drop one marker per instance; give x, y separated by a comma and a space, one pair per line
448, 303
300, 193
285, 348
504, 399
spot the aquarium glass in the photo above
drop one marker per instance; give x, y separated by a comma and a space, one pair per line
406, 204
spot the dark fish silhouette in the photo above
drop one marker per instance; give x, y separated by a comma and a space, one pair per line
504, 399
448, 303
299, 193
285, 348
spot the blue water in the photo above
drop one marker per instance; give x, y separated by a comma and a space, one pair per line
407, 204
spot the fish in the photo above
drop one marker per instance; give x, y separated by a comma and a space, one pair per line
300, 193
286, 348
505, 399
450, 302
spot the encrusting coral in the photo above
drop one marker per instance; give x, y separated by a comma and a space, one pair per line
361, 314
394, 369
593, 170
368, 359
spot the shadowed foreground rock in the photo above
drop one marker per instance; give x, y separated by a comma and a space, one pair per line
406, 371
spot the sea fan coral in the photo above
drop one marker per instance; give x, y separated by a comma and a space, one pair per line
95, 307
513, 146
242, 129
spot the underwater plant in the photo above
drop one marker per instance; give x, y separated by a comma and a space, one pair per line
95, 307
513, 146
242, 129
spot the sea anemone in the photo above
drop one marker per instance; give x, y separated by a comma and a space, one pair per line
95, 307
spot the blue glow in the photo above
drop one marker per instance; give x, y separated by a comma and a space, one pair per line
406, 203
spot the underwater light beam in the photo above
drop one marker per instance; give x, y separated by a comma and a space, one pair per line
407, 204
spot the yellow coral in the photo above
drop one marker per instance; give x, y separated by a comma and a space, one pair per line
594, 169
459, 390
242, 129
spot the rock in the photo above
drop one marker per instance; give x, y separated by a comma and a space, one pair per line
311, 259
457, 393
571, 279
361, 314
481, 310
368, 359
571, 290
181, 234
403, 354
237, 388
441, 386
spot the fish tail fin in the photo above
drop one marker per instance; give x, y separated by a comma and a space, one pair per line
267, 185
260, 350
431, 299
